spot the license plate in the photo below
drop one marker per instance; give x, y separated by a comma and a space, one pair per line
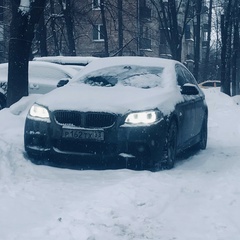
97, 135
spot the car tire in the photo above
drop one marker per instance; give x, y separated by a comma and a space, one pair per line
202, 144
37, 159
170, 147
2, 101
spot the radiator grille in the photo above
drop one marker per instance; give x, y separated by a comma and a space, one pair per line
85, 119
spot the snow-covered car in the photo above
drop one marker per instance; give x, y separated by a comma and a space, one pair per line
210, 84
140, 110
43, 78
76, 62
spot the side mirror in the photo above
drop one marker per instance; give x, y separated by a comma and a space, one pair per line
189, 89
62, 82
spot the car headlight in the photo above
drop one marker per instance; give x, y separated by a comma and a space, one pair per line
39, 112
146, 117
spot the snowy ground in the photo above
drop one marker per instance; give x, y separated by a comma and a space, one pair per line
197, 200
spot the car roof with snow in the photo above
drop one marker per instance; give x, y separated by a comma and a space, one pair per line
35, 66
67, 60
102, 63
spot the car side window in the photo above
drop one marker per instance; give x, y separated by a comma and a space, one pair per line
46, 72
208, 84
181, 79
190, 78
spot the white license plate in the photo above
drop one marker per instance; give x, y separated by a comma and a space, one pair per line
83, 134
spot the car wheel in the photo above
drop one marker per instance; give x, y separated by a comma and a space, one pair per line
37, 159
202, 144
170, 147
2, 102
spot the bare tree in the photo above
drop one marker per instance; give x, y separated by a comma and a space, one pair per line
173, 18
236, 48
120, 27
24, 19
105, 33
52, 19
197, 35
41, 36
67, 8
208, 42
226, 34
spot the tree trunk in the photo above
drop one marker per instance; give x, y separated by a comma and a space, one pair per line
120, 28
42, 36
176, 45
21, 36
223, 52
207, 56
53, 28
168, 13
226, 31
197, 39
236, 42
102, 7
67, 10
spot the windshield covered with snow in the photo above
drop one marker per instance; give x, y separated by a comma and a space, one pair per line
127, 75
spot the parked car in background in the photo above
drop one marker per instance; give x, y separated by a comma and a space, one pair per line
141, 110
76, 62
43, 78
210, 84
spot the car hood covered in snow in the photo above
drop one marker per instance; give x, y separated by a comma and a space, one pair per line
140, 84
118, 99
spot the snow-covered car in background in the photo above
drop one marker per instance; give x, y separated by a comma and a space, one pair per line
43, 78
210, 84
137, 109
76, 62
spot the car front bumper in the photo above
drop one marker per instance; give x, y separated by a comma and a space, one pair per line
128, 143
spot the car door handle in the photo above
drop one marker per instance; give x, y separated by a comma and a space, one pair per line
34, 86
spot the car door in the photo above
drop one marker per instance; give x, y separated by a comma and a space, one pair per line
199, 105
186, 111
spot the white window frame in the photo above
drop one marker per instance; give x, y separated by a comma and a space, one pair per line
97, 5
97, 27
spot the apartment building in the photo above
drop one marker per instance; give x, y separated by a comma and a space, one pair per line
139, 29
131, 29
142, 32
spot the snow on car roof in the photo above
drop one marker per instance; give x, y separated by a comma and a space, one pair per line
67, 60
54, 65
69, 70
140, 61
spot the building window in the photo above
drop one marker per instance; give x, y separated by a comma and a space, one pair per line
205, 36
163, 39
188, 34
145, 39
1, 10
98, 32
1, 33
145, 44
147, 32
96, 4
